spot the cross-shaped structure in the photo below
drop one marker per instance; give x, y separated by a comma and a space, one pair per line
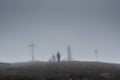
32, 50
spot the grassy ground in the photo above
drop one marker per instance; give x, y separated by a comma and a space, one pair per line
74, 70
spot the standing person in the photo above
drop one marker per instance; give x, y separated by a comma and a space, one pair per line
53, 58
58, 56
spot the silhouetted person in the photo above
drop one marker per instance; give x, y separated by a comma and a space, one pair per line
53, 58
58, 57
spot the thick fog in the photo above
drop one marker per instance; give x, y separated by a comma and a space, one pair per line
52, 25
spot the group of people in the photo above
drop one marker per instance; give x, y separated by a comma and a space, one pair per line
56, 57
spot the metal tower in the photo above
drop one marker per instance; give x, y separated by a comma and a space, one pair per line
69, 54
96, 53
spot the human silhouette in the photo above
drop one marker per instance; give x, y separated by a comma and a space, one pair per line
53, 58
58, 56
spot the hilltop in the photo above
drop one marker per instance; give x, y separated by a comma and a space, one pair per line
74, 70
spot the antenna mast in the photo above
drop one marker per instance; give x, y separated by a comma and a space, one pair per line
96, 52
69, 54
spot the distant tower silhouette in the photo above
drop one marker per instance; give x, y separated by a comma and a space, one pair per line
69, 54
58, 56
96, 52
32, 50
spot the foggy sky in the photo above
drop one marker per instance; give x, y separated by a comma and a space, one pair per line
85, 25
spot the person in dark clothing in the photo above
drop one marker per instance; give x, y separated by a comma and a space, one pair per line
58, 56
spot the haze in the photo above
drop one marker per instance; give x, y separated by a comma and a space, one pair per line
52, 25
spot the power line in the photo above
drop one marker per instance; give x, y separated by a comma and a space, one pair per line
32, 50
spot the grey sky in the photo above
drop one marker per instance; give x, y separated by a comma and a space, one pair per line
85, 25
